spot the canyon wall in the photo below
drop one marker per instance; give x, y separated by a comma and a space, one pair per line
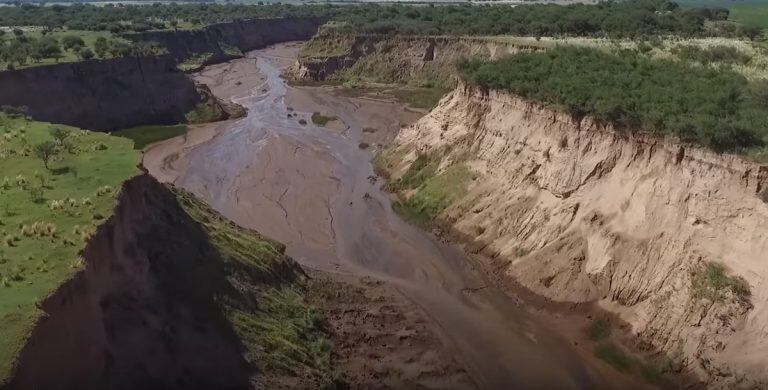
244, 35
102, 95
400, 59
125, 92
669, 237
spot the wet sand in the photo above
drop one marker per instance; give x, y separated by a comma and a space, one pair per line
314, 189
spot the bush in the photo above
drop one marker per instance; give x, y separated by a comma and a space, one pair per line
321, 120
714, 54
710, 281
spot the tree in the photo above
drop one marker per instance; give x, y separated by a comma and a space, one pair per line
48, 47
45, 151
18, 32
61, 137
85, 53
71, 41
101, 46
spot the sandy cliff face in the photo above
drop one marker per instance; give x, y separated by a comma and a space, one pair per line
579, 212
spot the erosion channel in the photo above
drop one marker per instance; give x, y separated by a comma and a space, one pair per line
313, 188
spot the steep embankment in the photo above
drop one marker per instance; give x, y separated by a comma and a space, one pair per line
225, 41
174, 296
659, 233
125, 92
102, 95
420, 61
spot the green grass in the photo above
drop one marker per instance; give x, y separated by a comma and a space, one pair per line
599, 330
710, 281
750, 15
76, 195
283, 333
423, 98
146, 135
615, 356
434, 195
320, 119
747, 12
421, 169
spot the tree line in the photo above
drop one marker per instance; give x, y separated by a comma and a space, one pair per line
18, 49
138, 18
717, 108
624, 19
619, 19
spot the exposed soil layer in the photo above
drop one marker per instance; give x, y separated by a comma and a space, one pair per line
120, 93
664, 235
133, 318
313, 188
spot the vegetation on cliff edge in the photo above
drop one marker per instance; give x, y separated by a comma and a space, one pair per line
717, 108
283, 334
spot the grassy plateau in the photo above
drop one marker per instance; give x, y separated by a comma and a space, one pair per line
47, 214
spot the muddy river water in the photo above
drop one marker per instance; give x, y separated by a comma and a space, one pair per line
314, 189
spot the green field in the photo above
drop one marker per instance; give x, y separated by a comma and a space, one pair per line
48, 214
747, 12
143, 136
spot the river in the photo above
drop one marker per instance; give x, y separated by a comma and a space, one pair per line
314, 189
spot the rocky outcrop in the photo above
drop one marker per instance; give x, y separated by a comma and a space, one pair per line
102, 95
242, 35
578, 211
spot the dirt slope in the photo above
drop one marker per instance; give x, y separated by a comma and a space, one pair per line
161, 304
578, 212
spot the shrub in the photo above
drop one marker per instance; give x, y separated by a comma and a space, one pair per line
22, 181
710, 281
103, 191
599, 330
321, 120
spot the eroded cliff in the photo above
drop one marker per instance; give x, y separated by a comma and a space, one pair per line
422, 61
219, 40
119, 93
669, 237
172, 295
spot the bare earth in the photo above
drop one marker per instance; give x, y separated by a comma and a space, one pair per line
314, 189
